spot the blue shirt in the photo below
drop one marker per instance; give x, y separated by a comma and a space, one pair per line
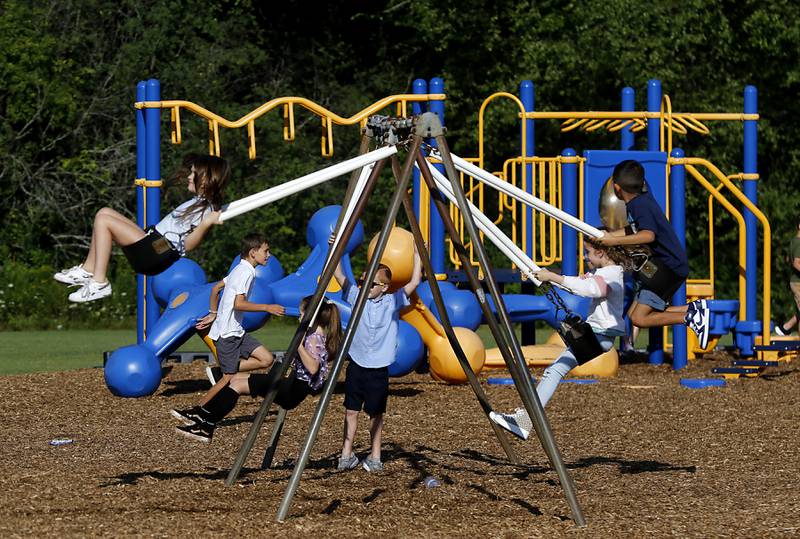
644, 213
375, 341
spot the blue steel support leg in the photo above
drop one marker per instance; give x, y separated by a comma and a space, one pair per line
153, 173
141, 167
527, 96
436, 227
677, 211
751, 192
569, 202
655, 347
419, 87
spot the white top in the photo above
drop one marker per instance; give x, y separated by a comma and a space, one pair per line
176, 225
229, 321
605, 287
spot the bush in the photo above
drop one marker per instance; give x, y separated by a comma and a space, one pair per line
31, 299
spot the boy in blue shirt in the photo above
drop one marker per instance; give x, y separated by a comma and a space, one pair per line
649, 226
372, 351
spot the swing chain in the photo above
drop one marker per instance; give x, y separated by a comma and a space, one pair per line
558, 303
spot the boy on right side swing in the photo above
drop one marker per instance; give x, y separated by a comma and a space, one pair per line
649, 226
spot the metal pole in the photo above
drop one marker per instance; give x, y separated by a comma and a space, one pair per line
152, 194
524, 385
655, 348
355, 316
269, 454
141, 172
305, 321
677, 218
447, 325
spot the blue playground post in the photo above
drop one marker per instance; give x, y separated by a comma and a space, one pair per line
527, 96
627, 137
677, 213
419, 87
751, 192
569, 202
141, 162
656, 346
436, 228
153, 194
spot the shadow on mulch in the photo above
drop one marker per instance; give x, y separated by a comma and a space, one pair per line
632, 466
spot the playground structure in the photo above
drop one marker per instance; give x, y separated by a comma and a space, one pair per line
568, 185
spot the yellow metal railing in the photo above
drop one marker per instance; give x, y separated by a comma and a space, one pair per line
328, 118
726, 181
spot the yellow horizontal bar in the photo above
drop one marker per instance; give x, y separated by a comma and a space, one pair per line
619, 115
300, 101
142, 182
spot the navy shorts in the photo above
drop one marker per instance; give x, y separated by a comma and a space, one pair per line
231, 349
367, 388
152, 254
291, 391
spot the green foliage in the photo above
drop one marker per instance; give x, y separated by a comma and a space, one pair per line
69, 69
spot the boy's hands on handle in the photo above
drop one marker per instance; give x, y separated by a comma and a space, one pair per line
274, 309
206, 321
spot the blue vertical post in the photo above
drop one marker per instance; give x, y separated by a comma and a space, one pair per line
141, 167
677, 213
436, 86
527, 96
419, 87
152, 173
627, 138
751, 192
569, 202
656, 336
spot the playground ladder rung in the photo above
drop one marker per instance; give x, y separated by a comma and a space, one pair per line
781, 346
753, 363
735, 370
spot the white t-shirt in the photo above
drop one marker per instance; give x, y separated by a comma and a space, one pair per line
607, 290
229, 320
176, 225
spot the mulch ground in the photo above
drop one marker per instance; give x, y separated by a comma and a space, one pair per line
648, 457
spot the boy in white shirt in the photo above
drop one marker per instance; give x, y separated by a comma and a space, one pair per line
237, 350
605, 286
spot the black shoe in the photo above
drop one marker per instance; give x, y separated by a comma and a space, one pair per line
202, 431
190, 415
214, 374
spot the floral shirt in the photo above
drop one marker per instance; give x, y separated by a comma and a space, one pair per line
314, 345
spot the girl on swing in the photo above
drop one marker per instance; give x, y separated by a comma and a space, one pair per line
153, 250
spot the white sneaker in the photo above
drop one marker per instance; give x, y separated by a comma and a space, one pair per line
91, 291
75, 275
518, 423
698, 320
780, 332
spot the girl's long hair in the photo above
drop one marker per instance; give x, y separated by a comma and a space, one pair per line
211, 176
329, 320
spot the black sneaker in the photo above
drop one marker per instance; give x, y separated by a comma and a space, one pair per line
200, 432
189, 415
214, 374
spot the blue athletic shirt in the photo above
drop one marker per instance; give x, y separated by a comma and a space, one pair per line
644, 213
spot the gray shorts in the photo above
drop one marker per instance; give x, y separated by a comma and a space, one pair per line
231, 349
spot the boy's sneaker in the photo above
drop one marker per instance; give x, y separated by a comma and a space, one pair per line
348, 463
90, 291
780, 332
202, 431
214, 374
518, 423
189, 416
75, 275
372, 465
698, 319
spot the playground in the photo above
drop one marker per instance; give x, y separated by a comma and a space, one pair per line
649, 458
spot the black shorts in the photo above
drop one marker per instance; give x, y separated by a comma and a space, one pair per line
291, 391
659, 279
152, 254
367, 388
